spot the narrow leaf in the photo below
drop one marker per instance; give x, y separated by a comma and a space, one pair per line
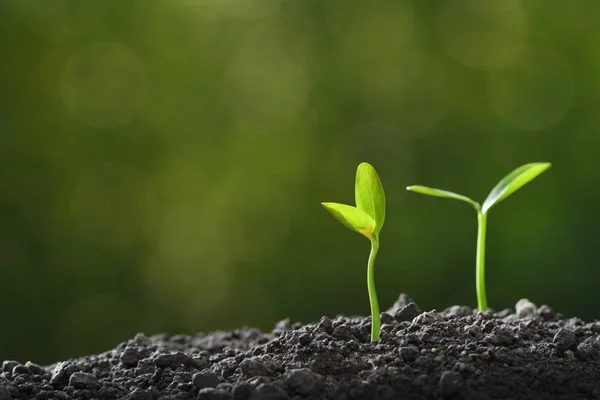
352, 217
369, 195
513, 182
442, 193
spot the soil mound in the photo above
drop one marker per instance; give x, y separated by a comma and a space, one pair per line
459, 353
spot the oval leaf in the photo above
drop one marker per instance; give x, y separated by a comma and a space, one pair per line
369, 195
442, 193
513, 182
353, 218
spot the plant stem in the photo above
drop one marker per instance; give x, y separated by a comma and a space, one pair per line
480, 265
375, 317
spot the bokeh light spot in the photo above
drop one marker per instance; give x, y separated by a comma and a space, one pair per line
535, 92
484, 34
104, 84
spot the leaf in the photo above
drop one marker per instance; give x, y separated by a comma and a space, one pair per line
352, 217
369, 195
442, 193
513, 182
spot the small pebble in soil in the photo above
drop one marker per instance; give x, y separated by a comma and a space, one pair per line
525, 308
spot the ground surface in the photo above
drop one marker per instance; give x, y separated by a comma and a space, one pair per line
455, 354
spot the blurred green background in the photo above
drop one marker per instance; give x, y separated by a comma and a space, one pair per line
162, 161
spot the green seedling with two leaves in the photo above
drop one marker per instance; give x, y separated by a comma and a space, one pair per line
507, 186
367, 219
369, 214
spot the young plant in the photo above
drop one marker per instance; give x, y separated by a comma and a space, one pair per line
367, 219
507, 186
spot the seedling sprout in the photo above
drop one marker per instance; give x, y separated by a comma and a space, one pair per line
507, 186
367, 219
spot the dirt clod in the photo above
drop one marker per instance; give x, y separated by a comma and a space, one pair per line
565, 340
34, 369
205, 380
9, 365
83, 380
343, 332
407, 312
130, 356
450, 384
459, 353
409, 353
62, 372
254, 367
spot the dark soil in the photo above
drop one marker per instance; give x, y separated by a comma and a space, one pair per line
456, 354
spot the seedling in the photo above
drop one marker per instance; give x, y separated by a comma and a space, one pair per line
367, 219
507, 186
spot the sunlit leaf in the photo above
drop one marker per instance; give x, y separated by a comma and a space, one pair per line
353, 218
513, 182
441, 193
369, 194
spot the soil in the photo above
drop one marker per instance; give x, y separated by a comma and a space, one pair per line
529, 353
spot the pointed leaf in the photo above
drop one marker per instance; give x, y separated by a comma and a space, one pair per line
513, 182
369, 194
352, 217
442, 193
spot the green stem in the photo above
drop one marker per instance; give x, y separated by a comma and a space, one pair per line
480, 267
375, 318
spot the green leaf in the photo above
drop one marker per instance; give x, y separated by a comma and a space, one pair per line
353, 218
442, 193
369, 195
513, 182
